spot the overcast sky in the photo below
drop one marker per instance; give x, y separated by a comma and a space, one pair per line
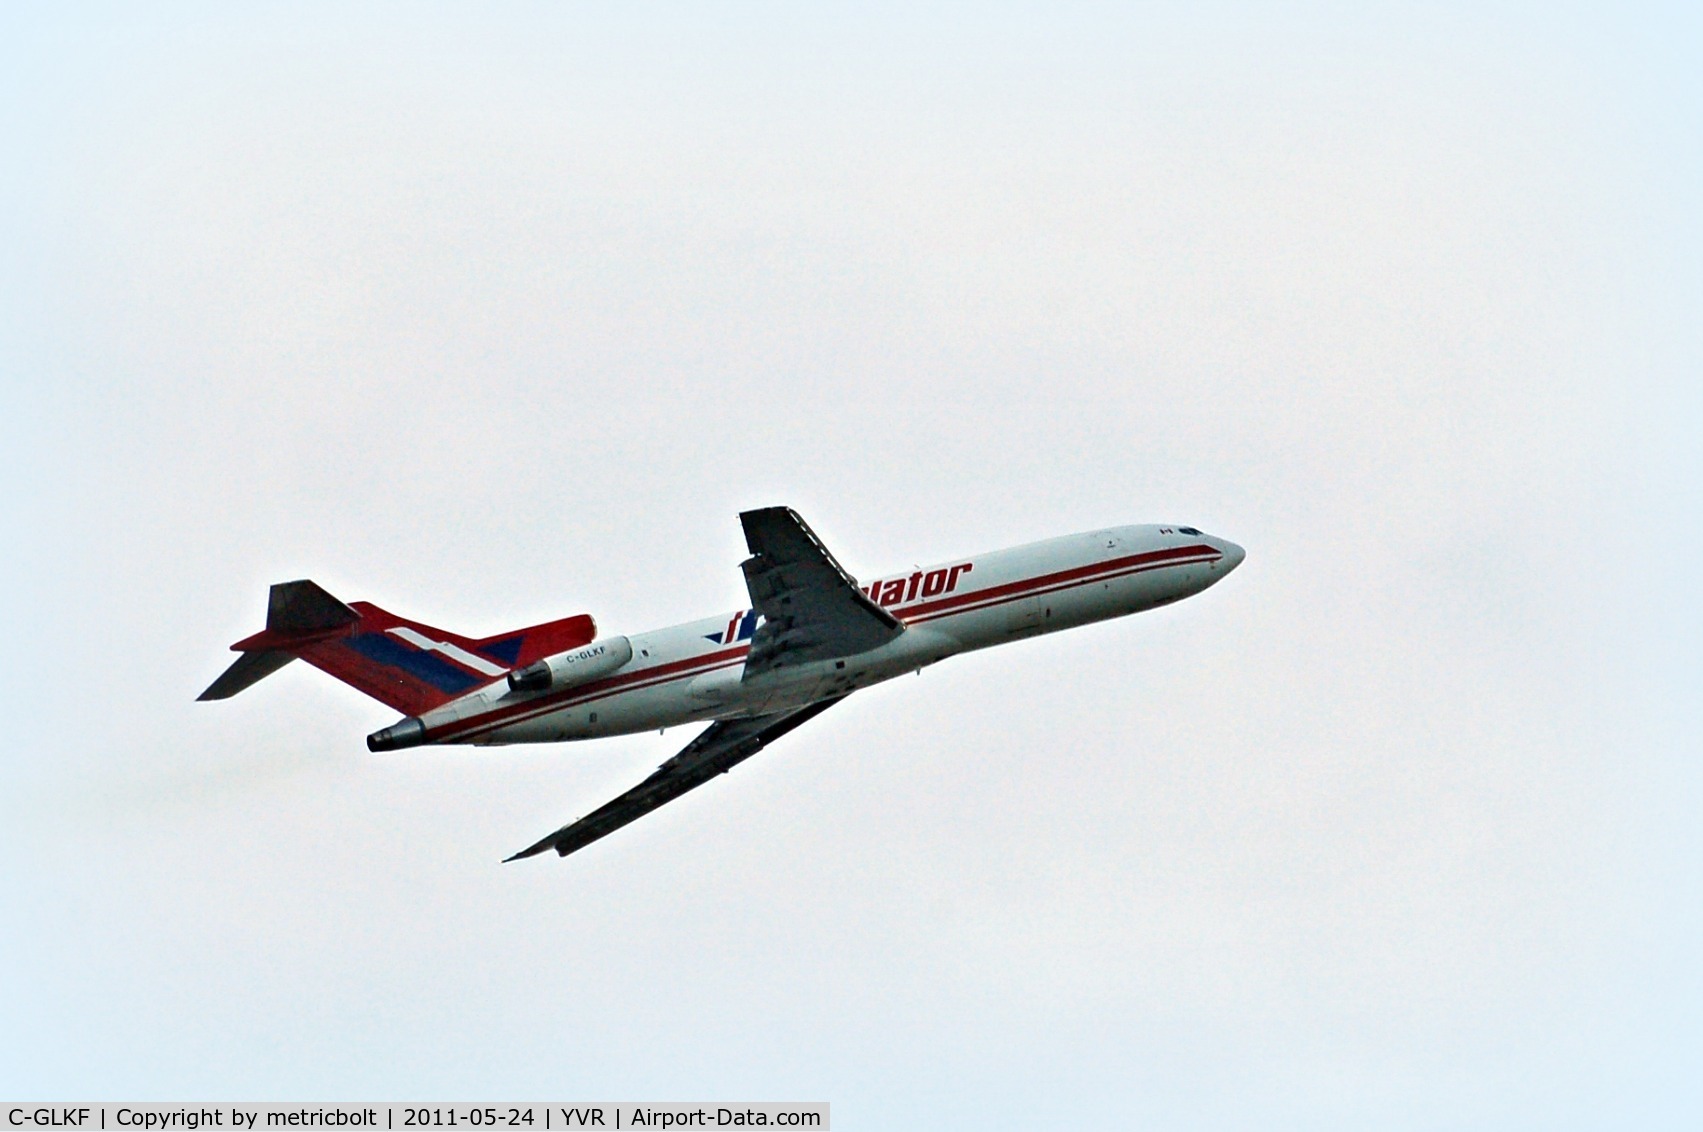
498, 313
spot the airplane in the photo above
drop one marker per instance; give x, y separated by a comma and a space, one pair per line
812, 636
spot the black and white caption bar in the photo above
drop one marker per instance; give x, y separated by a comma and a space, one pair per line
529, 1117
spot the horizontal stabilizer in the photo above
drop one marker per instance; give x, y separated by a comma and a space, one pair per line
249, 668
297, 613
302, 607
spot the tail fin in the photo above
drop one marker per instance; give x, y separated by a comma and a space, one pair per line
409, 666
298, 614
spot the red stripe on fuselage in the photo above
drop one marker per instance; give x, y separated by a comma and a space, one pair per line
934, 610
1060, 579
596, 689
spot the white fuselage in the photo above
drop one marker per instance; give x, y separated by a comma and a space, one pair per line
694, 672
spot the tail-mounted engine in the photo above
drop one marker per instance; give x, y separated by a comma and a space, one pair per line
576, 666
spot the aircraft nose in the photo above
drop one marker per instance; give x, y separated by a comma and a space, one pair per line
1233, 554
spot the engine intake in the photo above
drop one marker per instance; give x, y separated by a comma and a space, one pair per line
576, 666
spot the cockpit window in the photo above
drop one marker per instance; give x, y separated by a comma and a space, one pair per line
1188, 531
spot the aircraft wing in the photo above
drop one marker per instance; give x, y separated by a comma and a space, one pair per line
811, 608
723, 745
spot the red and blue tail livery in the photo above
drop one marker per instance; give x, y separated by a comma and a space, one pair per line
403, 664
809, 636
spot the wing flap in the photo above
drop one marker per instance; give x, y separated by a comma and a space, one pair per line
722, 746
812, 609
